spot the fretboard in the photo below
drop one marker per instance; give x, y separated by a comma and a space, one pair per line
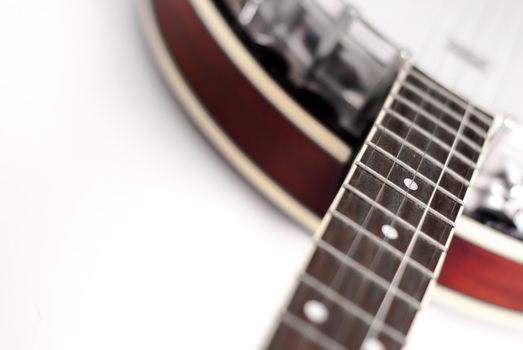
381, 244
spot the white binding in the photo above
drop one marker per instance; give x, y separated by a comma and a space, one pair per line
213, 132
489, 239
246, 63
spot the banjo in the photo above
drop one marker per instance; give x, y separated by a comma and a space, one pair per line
358, 142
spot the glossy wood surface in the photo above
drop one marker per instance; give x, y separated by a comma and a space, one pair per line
491, 278
266, 136
292, 160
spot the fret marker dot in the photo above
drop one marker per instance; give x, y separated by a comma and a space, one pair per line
315, 311
373, 344
389, 232
410, 184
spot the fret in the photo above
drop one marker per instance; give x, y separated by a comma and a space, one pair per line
404, 107
345, 323
422, 100
388, 171
361, 273
471, 139
402, 276
354, 309
387, 199
467, 151
436, 229
417, 78
449, 207
412, 111
416, 135
400, 315
442, 94
331, 294
342, 328
460, 167
410, 290
413, 172
338, 237
393, 173
427, 255
395, 198
297, 334
384, 340
429, 138
413, 283
442, 227
444, 109
345, 318
370, 254
418, 159
294, 333
425, 261
351, 264
424, 163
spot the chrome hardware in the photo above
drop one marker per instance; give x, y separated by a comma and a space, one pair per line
497, 197
330, 50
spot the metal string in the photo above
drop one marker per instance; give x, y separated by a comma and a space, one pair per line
342, 270
356, 243
386, 304
398, 275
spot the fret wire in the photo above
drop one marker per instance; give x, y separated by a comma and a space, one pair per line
311, 333
349, 306
406, 259
429, 83
336, 298
473, 144
379, 206
377, 320
387, 302
406, 298
405, 193
422, 131
383, 283
381, 242
464, 138
433, 160
444, 108
414, 172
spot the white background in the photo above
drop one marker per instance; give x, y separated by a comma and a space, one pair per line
120, 228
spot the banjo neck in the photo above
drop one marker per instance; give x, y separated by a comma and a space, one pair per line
382, 242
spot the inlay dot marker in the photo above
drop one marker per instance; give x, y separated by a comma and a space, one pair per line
315, 311
410, 184
373, 344
389, 232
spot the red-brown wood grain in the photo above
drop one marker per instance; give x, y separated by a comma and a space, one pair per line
476, 272
288, 156
292, 160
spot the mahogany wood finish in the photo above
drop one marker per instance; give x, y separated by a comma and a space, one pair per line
292, 160
491, 278
265, 135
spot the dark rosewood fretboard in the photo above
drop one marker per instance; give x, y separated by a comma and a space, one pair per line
383, 240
